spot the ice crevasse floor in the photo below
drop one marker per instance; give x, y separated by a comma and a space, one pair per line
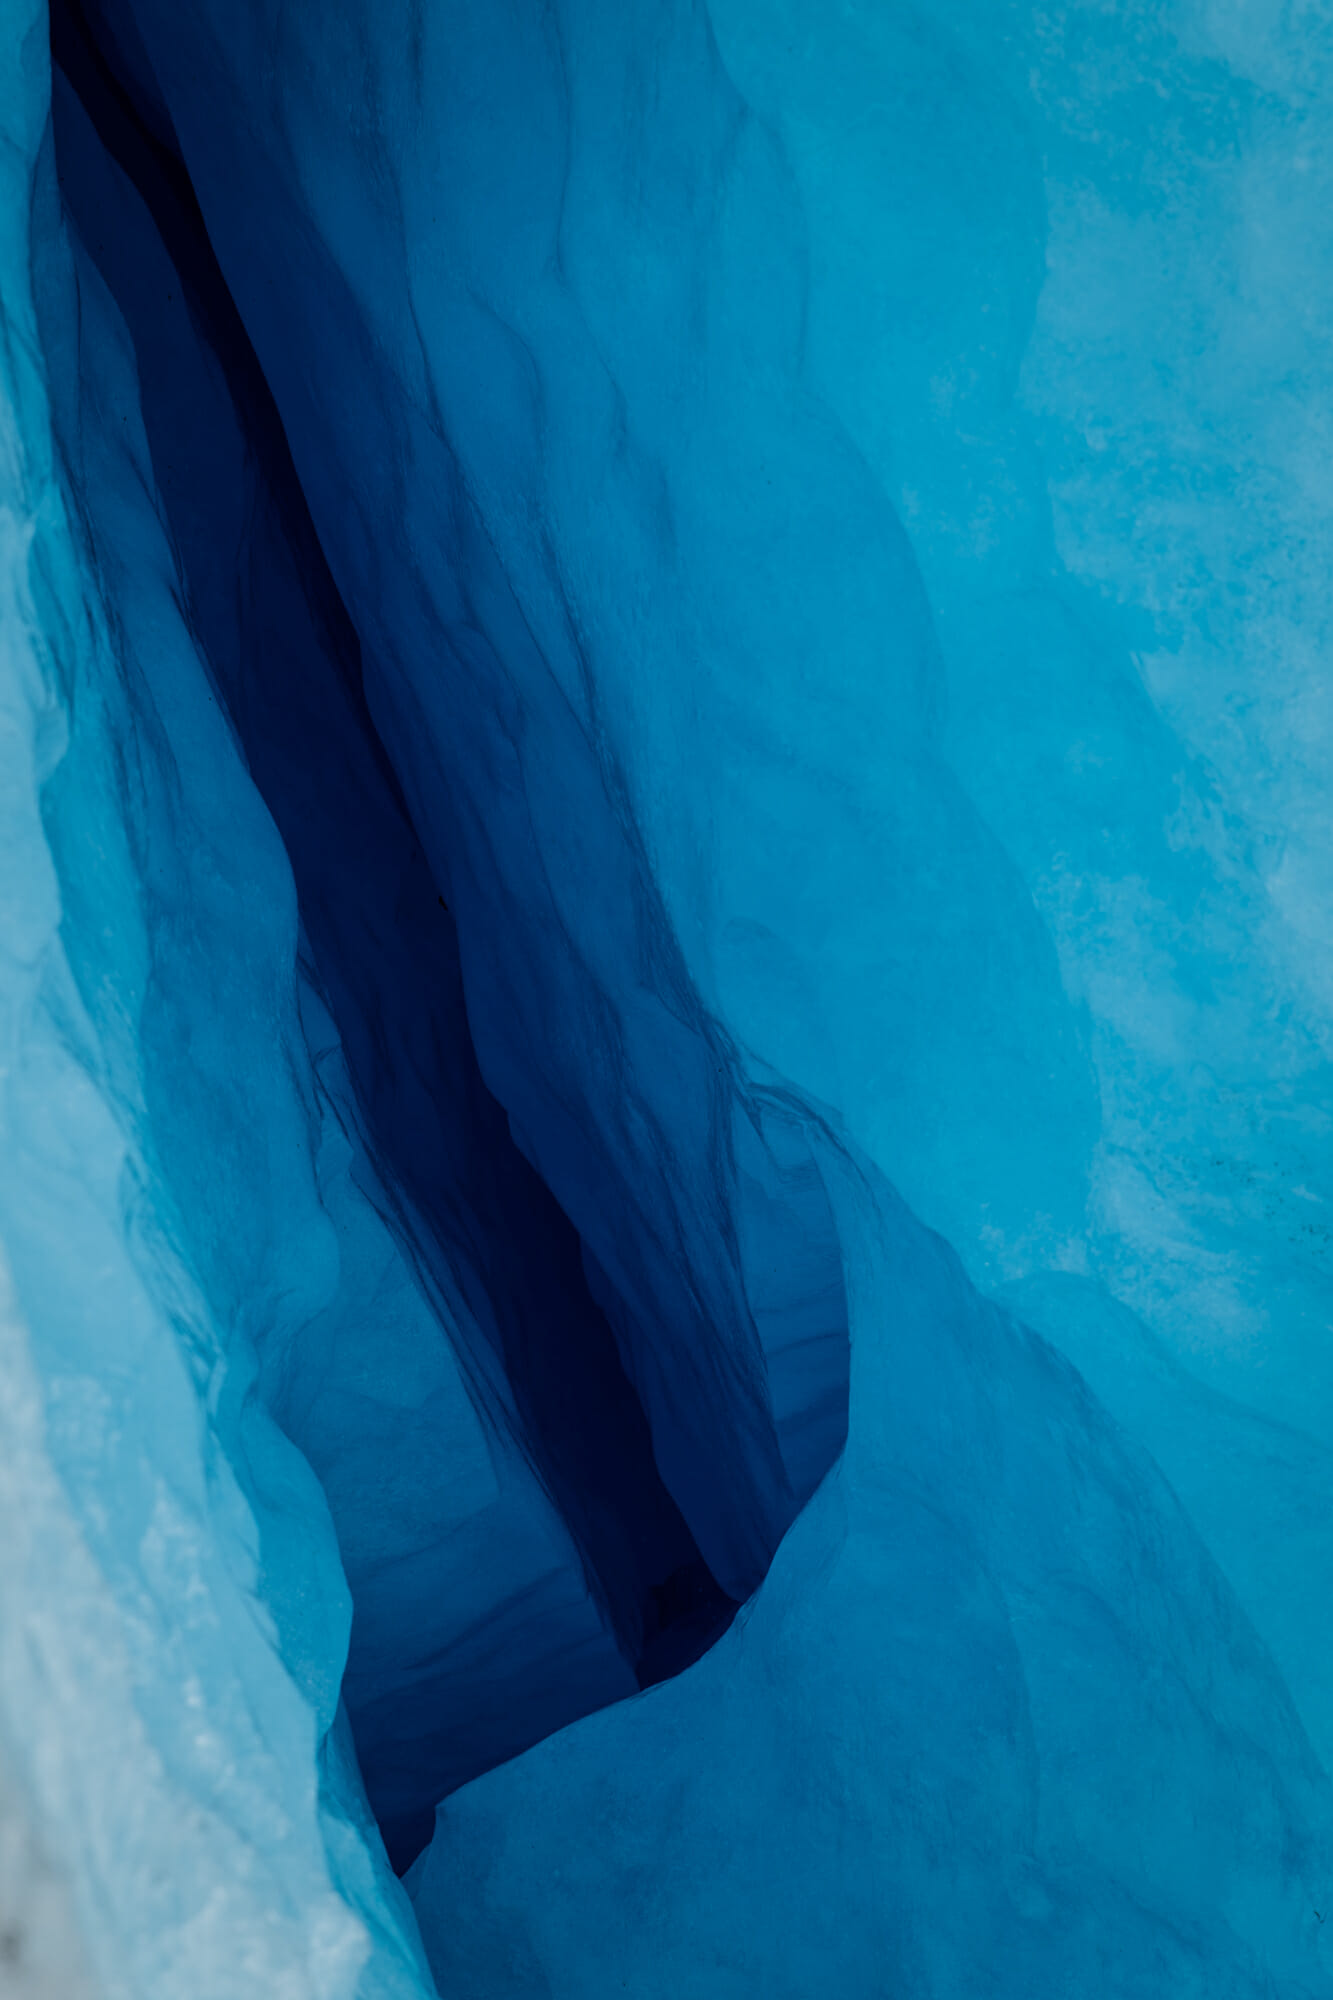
665, 988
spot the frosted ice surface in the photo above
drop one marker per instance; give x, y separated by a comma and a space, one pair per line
40, 1952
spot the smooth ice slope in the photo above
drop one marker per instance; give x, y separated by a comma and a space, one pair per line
1004, 1731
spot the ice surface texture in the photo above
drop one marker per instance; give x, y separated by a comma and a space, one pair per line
665, 733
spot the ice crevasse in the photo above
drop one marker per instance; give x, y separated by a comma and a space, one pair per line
665, 979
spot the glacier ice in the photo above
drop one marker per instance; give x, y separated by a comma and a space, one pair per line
665, 986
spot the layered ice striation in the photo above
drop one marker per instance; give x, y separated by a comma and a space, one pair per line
664, 977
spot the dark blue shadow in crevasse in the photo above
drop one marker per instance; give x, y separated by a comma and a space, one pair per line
286, 660
704, 1335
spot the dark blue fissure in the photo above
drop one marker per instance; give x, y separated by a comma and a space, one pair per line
286, 659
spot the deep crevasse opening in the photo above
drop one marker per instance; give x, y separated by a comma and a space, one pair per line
499, 902
508, 1355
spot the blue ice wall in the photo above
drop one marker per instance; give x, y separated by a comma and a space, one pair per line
1064, 273
789, 532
